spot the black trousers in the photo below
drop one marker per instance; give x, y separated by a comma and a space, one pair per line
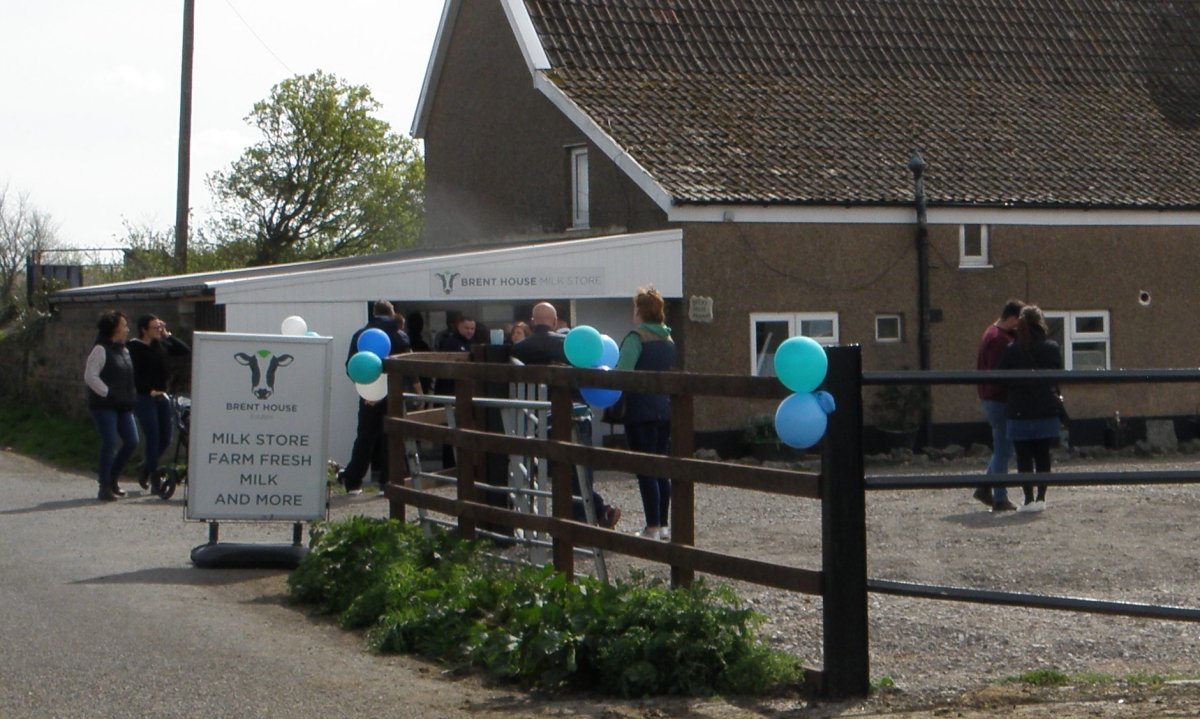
370, 446
1034, 454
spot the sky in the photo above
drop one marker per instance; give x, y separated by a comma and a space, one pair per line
89, 107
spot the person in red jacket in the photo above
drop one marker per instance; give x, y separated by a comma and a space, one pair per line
998, 336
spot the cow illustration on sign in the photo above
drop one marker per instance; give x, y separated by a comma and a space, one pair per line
447, 279
263, 383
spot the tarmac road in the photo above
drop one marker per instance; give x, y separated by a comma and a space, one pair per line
102, 615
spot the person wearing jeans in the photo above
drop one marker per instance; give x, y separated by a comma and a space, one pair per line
111, 398
648, 415
151, 376
994, 397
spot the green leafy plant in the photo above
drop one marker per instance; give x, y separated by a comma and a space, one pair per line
1042, 678
443, 598
761, 430
898, 407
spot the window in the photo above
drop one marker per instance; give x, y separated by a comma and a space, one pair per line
973, 246
1083, 336
887, 328
580, 201
768, 331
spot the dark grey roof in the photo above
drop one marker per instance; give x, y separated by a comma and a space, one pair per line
1024, 102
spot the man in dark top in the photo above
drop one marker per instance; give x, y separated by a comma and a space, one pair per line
545, 347
994, 396
459, 340
370, 449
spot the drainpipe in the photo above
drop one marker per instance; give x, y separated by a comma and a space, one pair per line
917, 165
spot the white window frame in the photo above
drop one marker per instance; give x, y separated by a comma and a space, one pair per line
581, 209
980, 261
1071, 335
794, 321
899, 328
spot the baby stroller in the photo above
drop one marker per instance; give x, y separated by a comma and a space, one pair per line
167, 479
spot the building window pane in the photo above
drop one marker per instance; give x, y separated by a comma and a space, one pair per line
1091, 324
769, 330
973, 246
580, 190
887, 328
1083, 337
1089, 355
768, 335
817, 329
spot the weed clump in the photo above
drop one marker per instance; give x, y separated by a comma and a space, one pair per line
443, 598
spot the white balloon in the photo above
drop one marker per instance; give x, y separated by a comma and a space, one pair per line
294, 326
375, 391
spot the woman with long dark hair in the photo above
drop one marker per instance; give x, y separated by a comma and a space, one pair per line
648, 415
111, 398
151, 374
1033, 407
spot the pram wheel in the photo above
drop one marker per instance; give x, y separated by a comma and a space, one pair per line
164, 482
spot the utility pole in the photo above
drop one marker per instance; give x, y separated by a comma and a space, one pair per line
917, 165
185, 138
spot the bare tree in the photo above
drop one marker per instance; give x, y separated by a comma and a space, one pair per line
24, 228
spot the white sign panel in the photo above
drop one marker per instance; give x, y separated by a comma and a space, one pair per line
522, 283
260, 408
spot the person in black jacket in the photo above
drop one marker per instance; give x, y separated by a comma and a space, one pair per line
370, 449
111, 397
456, 340
150, 351
1032, 408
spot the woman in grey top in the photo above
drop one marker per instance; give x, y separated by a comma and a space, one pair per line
111, 398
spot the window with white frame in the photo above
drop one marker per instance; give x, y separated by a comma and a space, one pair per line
769, 330
887, 328
1083, 336
580, 191
973, 246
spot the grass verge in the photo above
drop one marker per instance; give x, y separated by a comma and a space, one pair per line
445, 599
66, 442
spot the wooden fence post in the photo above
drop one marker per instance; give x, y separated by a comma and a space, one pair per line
844, 532
397, 456
562, 476
683, 494
464, 418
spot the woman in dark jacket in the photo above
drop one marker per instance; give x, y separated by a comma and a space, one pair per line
647, 415
151, 375
111, 397
1032, 408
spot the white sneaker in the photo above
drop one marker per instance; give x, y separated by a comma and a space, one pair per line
664, 533
354, 492
648, 533
381, 494
1032, 507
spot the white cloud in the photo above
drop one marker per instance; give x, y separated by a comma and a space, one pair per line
129, 81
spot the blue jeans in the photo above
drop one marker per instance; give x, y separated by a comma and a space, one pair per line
112, 424
653, 438
1002, 446
156, 418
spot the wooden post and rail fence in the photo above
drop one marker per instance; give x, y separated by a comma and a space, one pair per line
841, 486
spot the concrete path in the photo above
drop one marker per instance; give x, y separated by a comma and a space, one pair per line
102, 615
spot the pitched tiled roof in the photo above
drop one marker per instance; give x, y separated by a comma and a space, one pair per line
1022, 102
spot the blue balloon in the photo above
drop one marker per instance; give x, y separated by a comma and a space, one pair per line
800, 421
364, 368
801, 364
583, 346
826, 401
376, 342
600, 398
612, 351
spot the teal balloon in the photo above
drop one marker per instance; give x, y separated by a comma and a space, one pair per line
800, 421
801, 364
310, 333
612, 351
364, 368
584, 346
600, 398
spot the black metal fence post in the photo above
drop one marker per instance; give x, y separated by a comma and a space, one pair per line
844, 532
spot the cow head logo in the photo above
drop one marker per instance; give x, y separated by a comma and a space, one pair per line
447, 279
263, 383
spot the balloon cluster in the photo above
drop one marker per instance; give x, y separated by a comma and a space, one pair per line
587, 348
801, 364
366, 365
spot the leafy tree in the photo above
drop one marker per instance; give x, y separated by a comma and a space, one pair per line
24, 228
150, 252
327, 180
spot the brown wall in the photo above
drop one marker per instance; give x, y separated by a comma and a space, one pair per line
496, 150
861, 270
